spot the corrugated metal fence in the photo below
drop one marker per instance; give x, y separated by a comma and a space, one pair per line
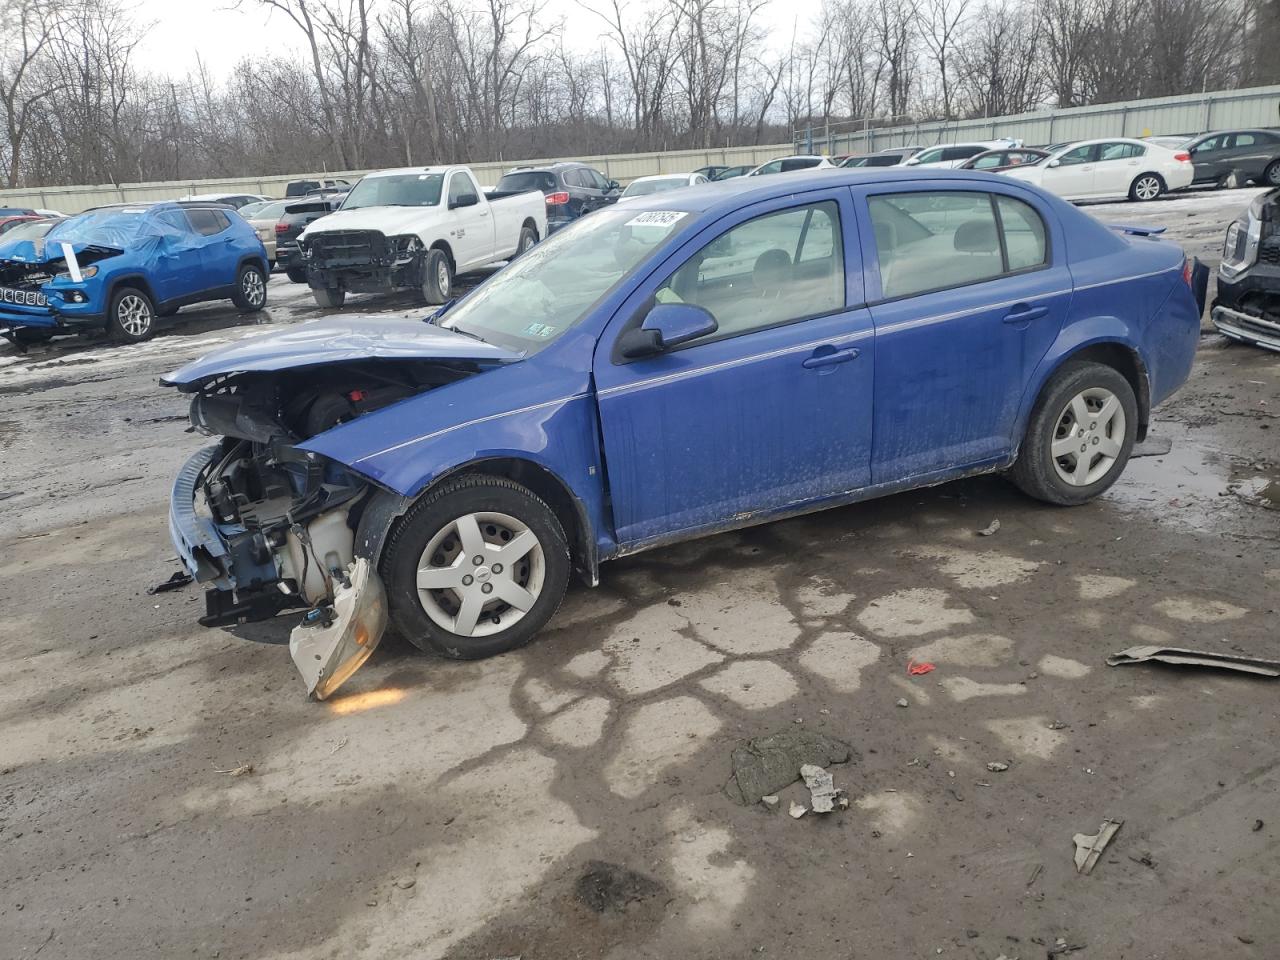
1192, 113
1257, 106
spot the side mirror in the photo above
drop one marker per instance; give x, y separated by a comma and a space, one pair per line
913, 162
1055, 163
665, 326
466, 200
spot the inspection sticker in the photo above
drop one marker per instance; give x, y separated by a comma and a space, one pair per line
656, 218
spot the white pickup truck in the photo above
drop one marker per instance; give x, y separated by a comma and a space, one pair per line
416, 228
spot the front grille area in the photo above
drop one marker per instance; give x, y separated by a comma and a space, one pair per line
23, 298
337, 248
1269, 251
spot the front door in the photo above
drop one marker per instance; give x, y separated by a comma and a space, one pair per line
470, 223
180, 273
1073, 176
769, 412
969, 288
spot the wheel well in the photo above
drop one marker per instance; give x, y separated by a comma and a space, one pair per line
131, 281
551, 490
448, 252
528, 222
257, 262
1129, 365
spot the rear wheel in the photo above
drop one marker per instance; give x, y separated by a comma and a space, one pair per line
251, 288
1271, 176
329, 297
437, 277
131, 317
528, 237
1147, 186
1080, 435
476, 568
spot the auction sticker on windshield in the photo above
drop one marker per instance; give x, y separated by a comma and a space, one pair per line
656, 218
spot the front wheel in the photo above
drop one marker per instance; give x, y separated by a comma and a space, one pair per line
251, 289
475, 568
131, 318
1148, 186
329, 297
296, 274
1080, 435
437, 277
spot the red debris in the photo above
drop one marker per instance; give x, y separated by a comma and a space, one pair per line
919, 669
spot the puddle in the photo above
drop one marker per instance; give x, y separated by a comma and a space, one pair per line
1195, 485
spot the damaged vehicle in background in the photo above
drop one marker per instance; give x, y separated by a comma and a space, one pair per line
118, 268
416, 228
1247, 307
296, 217
616, 389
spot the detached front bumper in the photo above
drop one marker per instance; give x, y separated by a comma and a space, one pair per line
1247, 328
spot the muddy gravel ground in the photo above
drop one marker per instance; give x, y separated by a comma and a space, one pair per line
168, 791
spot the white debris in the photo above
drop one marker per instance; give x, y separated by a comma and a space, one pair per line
822, 790
997, 766
797, 810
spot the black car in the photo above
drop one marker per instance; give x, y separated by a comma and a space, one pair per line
1247, 307
300, 188
296, 217
1246, 154
732, 173
571, 189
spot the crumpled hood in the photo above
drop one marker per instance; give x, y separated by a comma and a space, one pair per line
339, 340
390, 221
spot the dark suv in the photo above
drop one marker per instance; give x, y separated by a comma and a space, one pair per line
297, 216
571, 189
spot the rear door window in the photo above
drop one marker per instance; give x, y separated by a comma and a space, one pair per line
1120, 151
208, 222
935, 240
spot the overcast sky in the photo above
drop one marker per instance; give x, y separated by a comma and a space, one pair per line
222, 35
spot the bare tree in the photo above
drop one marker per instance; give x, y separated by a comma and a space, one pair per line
942, 22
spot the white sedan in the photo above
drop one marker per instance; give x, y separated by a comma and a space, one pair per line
792, 164
951, 155
1109, 170
660, 183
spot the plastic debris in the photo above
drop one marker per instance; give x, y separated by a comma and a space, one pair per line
1089, 847
919, 669
797, 810
179, 580
997, 766
989, 529
823, 794
1177, 656
902, 702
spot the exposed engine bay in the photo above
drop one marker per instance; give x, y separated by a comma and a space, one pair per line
283, 519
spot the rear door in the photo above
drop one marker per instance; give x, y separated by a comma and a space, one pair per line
1119, 164
968, 289
770, 412
219, 256
1249, 152
178, 272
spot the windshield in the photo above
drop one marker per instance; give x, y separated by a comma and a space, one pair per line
109, 228
399, 190
527, 180
270, 210
532, 302
642, 188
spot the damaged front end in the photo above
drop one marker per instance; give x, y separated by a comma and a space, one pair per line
1247, 306
50, 286
269, 526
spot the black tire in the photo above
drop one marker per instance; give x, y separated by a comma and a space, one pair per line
131, 317
250, 294
165, 312
1271, 175
1141, 185
297, 274
473, 493
1035, 471
329, 297
528, 239
437, 277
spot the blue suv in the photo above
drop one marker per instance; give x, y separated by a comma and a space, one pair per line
120, 267
572, 190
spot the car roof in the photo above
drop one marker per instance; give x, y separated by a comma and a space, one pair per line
149, 205
663, 176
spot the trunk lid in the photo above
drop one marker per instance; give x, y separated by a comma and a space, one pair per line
339, 340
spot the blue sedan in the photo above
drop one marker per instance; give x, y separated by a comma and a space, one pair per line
118, 268
702, 360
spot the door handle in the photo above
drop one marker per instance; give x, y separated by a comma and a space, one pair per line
829, 357
1021, 313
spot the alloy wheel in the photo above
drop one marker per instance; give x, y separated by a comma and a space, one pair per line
1089, 437
134, 315
1147, 188
481, 574
253, 288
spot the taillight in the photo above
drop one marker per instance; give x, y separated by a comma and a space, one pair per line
282, 228
556, 199
1182, 156
1187, 271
